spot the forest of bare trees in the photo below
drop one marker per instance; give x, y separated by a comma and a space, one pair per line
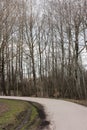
41, 48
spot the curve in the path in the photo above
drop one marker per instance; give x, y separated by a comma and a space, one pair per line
62, 114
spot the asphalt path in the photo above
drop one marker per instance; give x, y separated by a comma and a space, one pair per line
63, 115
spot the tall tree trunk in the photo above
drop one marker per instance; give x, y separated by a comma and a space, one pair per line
3, 71
77, 84
32, 47
0, 68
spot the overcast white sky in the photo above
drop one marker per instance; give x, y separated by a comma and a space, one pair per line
84, 58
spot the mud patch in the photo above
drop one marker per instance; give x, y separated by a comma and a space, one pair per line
42, 115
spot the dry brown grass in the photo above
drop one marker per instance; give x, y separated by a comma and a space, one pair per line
3, 108
81, 102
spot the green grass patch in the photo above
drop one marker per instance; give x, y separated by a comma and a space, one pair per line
13, 115
34, 114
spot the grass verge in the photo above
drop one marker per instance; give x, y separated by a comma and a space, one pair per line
17, 114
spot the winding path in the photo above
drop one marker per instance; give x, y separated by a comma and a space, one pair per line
62, 114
